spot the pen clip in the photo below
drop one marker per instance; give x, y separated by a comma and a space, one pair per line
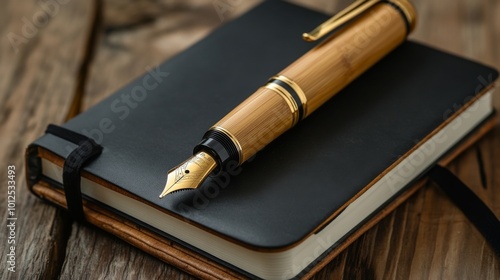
347, 14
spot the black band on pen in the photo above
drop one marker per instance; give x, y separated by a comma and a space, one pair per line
403, 15
292, 93
219, 145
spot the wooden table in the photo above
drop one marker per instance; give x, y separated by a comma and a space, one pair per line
62, 57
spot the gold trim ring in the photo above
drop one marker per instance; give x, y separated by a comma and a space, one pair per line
294, 107
297, 89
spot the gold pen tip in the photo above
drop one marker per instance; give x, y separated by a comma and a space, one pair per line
190, 174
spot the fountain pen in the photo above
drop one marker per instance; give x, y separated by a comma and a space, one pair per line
362, 34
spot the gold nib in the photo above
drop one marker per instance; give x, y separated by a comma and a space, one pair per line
189, 174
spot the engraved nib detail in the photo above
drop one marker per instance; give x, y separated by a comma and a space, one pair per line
189, 174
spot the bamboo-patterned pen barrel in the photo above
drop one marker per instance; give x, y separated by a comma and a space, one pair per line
371, 29
305, 85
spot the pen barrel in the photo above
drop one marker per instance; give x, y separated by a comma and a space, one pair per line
309, 82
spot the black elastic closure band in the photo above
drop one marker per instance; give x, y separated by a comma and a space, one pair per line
470, 204
86, 151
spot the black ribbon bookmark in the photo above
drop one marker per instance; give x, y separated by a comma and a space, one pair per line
470, 204
86, 151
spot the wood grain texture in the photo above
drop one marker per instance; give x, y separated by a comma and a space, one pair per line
258, 120
94, 254
425, 238
40, 56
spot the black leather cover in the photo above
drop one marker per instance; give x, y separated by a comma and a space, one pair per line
303, 177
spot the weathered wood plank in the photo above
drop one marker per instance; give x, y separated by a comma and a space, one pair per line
156, 31
99, 255
41, 54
